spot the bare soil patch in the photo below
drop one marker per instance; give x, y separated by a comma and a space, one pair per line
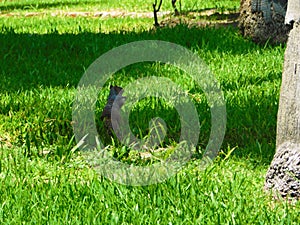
207, 17
117, 13
203, 18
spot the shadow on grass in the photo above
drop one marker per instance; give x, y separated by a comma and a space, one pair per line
212, 13
31, 61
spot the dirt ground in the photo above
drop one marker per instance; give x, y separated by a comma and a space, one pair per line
207, 17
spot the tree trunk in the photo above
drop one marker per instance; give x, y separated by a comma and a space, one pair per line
283, 176
263, 20
293, 11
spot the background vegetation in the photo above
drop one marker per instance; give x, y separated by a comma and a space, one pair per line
44, 180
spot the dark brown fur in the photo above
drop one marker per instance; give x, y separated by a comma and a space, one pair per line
115, 99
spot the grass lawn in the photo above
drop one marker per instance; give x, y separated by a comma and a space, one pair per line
45, 180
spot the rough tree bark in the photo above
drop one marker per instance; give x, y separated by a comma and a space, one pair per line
263, 20
283, 176
293, 11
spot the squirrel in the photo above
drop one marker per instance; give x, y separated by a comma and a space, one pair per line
112, 109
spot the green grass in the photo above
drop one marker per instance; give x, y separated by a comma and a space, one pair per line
101, 5
38, 191
44, 181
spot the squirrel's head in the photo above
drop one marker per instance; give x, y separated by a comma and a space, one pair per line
115, 94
